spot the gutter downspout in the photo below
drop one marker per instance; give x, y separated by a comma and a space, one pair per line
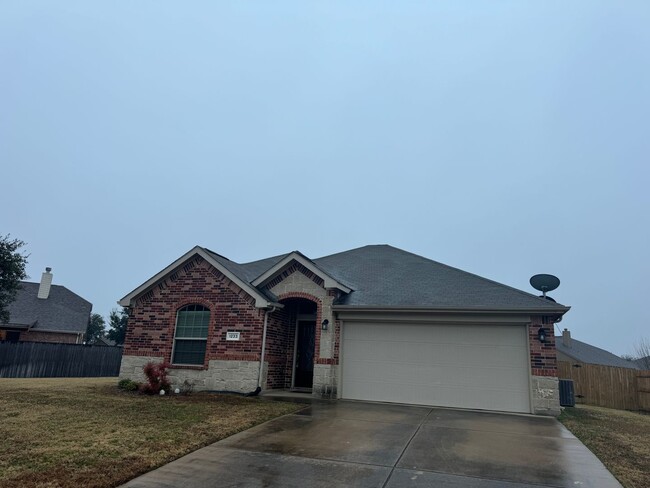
261, 371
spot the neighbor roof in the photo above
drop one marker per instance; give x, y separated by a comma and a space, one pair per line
61, 311
643, 363
377, 276
586, 353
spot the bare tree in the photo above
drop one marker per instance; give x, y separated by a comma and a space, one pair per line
642, 351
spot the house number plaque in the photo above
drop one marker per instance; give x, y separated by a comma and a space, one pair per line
232, 336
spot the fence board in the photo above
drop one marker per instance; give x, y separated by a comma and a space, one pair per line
643, 382
48, 360
608, 386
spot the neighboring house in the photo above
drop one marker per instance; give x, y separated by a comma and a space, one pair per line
577, 352
374, 323
643, 363
105, 341
43, 312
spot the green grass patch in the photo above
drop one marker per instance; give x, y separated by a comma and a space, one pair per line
620, 439
86, 432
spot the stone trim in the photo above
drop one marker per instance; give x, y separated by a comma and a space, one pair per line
545, 395
325, 381
239, 376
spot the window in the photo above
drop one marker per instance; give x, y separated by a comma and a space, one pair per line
191, 334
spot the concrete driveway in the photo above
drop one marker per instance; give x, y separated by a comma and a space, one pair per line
378, 445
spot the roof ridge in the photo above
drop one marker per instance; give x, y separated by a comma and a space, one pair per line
264, 259
58, 286
350, 250
573, 339
217, 254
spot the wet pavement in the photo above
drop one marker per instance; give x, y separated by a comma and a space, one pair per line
387, 446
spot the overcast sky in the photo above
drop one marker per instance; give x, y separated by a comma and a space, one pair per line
503, 138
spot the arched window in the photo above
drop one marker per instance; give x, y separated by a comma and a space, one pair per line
191, 334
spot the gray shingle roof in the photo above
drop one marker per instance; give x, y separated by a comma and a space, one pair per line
586, 353
382, 275
63, 310
247, 271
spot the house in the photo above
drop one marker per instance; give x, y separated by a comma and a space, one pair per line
375, 323
105, 341
577, 352
43, 312
643, 363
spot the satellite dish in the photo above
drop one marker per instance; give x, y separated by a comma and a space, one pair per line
545, 282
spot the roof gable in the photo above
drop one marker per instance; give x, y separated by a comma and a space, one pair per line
228, 268
328, 281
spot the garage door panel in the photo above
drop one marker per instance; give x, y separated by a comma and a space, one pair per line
438, 374
425, 352
429, 353
446, 365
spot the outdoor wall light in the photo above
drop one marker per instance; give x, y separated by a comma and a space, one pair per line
541, 334
325, 324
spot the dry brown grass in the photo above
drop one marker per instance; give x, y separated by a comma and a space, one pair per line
85, 432
620, 439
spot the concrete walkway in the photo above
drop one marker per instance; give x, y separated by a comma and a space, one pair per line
389, 446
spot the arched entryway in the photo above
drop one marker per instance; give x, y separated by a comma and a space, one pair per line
292, 344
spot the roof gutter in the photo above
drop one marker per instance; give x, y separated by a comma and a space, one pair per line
355, 308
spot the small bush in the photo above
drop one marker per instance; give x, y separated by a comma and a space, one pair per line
157, 380
128, 385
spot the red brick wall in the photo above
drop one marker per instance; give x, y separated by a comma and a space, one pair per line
280, 336
35, 336
543, 359
152, 320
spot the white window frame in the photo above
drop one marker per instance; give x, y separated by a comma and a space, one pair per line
189, 338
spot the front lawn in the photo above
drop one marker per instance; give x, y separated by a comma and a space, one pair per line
620, 439
85, 432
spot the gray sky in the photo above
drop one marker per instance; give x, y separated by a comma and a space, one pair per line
503, 138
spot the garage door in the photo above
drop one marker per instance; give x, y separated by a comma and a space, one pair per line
464, 366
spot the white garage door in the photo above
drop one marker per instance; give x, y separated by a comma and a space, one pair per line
464, 366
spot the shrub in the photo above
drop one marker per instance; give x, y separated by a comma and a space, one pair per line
157, 380
128, 385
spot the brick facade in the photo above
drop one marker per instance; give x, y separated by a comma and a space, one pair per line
543, 368
153, 318
297, 282
280, 336
543, 357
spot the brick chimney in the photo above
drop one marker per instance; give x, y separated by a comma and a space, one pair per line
46, 284
566, 338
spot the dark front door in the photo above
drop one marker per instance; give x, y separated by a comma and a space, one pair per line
304, 373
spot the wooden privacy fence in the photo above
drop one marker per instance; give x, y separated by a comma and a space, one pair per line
608, 386
47, 360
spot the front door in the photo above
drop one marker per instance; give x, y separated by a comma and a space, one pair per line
304, 365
